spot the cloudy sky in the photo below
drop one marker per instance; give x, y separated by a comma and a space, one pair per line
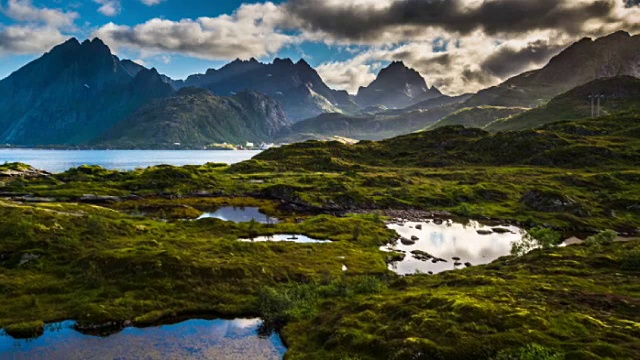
457, 45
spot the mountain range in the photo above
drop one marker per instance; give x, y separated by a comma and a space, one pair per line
72, 94
82, 94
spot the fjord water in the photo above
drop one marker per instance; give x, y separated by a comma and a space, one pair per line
193, 339
60, 160
449, 240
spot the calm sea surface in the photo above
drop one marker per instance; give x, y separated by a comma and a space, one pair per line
61, 160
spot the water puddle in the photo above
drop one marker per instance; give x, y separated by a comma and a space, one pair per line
240, 214
433, 247
193, 339
298, 238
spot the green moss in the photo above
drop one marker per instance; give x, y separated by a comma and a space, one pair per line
25, 330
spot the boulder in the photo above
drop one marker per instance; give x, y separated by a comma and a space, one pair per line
548, 201
92, 198
484, 232
421, 255
406, 241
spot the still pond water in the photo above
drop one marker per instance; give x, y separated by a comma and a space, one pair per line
455, 243
60, 160
190, 340
239, 215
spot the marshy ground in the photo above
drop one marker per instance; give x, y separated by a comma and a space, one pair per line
107, 247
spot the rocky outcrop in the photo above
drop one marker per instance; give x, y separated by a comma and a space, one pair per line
548, 201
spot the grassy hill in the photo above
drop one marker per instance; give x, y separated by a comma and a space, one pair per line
610, 140
477, 117
622, 93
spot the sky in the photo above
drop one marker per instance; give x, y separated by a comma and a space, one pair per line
459, 46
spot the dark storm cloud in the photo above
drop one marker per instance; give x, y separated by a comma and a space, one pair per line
362, 22
509, 61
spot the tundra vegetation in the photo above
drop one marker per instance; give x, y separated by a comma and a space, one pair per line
103, 246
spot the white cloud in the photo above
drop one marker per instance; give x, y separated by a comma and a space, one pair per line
151, 2
491, 48
251, 31
28, 40
25, 11
349, 75
109, 7
36, 30
467, 64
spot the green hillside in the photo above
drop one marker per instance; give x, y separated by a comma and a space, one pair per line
610, 140
477, 117
621, 93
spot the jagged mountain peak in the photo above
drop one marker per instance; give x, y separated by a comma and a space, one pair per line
396, 86
282, 61
583, 61
303, 63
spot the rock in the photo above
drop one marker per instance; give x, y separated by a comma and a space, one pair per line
421, 255
484, 232
455, 258
430, 272
457, 263
92, 198
127, 323
467, 264
434, 260
419, 227
414, 238
17, 170
548, 201
406, 241
33, 199
26, 258
500, 230
438, 221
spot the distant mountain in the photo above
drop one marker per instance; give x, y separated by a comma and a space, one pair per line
620, 94
477, 117
584, 61
365, 127
396, 87
297, 86
72, 95
196, 118
439, 101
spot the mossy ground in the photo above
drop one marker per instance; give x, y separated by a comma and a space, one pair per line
92, 259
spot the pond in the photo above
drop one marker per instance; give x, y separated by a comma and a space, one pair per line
433, 247
193, 339
297, 238
240, 214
